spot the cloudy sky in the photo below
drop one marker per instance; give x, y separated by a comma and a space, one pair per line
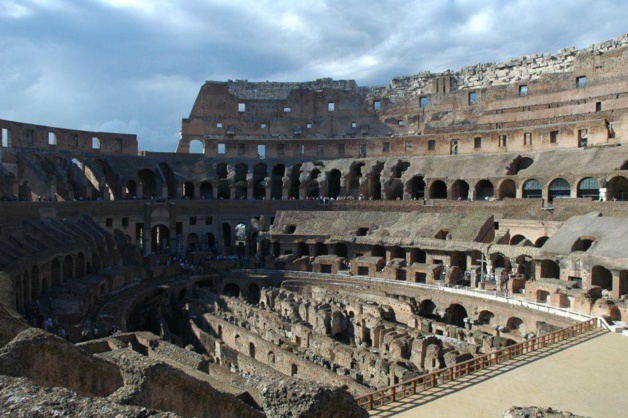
135, 66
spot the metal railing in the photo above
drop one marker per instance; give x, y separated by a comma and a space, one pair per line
430, 380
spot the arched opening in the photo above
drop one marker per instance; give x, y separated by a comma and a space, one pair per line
80, 265
417, 187
253, 294
260, 172
601, 276
438, 190
532, 189
395, 190
617, 188
208, 241
378, 251
518, 239
499, 260
354, 179
252, 350
589, 187
400, 168
312, 190
515, 324
485, 318
55, 272
232, 290
45, 286
171, 180
147, 178
131, 189
417, 255
507, 189
271, 357
302, 249
295, 181
276, 184
550, 269
559, 188
459, 259
375, 183
582, 244
320, 249
197, 147
540, 242
484, 190
240, 183
427, 308
160, 238
207, 190
397, 252
35, 283
293, 370
455, 315
188, 190
226, 237
341, 250
68, 268
525, 266
333, 183
460, 190
193, 243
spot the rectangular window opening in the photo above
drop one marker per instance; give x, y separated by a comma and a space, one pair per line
386, 147
523, 90
95, 143
472, 98
477, 142
423, 101
331, 107
308, 126
5, 137
553, 137
354, 125
208, 220
408, 146
527, 138
221, 149
431, 144
400, 122
52, 138
125, 222
219, 125
503, 140
192, 220
261, 152
362, 150
341, 149
320, 149
280, 150
241, 107
241, 149
301, 149
598, 106
262, 126
583, 140
581, 82
376, 105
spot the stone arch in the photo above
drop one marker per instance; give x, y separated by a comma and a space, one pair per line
341, 250
313, 190
427, 308
189, 191
395, 190
460, 190
302, 249
206, 190
455, 315
271, 357
354, 179
130, 189
438, 190
518, 239
540, 242
209, 241
251, 350
240, 181
375, 182
320, 249
295, 181
378, 251
484, 190
68, 268
532, 189
588, 187
276, 183
260, 172
583, 243
231, 289
485, 318
160, 238
515, 324
416, 187
171, 179
333, 183
196, 146
507, 189
559, 188
147, 178
519, 164
550, 269
617, 188
601, 276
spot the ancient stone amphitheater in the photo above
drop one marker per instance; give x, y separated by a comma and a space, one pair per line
316, 249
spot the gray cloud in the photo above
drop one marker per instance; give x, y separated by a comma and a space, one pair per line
136, 65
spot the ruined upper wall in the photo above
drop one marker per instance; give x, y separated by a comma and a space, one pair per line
28, 135
273, 90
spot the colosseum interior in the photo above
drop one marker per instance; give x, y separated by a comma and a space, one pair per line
317, 249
